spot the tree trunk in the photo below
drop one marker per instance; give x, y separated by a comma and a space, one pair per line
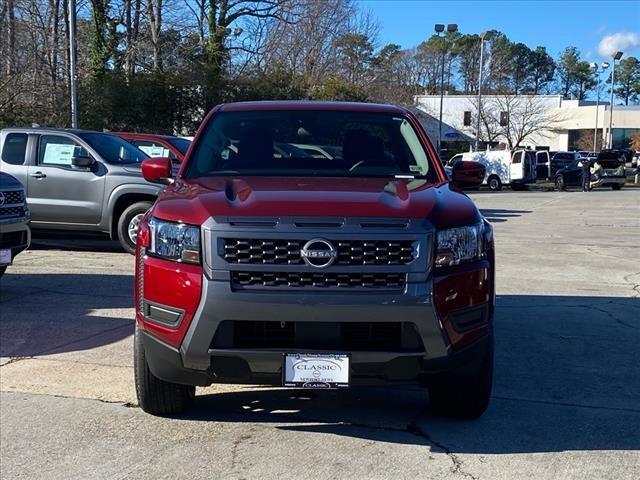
11, 37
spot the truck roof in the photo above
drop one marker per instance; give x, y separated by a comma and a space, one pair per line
312, 105
49, 130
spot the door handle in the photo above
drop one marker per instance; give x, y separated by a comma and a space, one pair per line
37, 175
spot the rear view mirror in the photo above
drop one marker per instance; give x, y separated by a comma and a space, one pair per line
467, 174
157, 170
83, 161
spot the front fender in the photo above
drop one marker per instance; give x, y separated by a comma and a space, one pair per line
118, 192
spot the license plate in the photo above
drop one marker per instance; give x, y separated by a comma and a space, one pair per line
315, 370
5, 256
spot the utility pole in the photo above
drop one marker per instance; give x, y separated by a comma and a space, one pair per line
482, 38
615, 56
439, 28
73, 73
594, 66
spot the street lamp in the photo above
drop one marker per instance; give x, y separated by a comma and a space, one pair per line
483, 36
615, 56
73, 73
439, 28
594, 67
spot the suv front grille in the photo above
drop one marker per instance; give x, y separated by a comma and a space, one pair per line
9, 212
13, 197
327, 280
337, 336
287, 252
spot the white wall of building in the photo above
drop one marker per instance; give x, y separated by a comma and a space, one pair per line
562, 115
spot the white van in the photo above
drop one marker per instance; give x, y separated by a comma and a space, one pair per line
515, 168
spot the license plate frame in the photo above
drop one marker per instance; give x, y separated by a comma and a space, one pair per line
5, 257
322, 370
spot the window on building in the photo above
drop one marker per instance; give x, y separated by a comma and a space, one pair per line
504, 119
467, 119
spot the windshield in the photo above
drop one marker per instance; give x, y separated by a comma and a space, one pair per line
113, 149
564, 156
309, 143
182, 144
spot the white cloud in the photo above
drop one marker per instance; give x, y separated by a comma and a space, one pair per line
621, 41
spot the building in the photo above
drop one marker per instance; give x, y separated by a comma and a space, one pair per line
537, 121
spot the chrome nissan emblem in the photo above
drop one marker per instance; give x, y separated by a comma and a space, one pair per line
2, 199
318, 253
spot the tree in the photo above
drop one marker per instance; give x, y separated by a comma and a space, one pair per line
627, 80
355, 55
542, 69
575, 75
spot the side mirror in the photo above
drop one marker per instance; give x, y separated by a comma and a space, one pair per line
84, 161
467, 174
157, 170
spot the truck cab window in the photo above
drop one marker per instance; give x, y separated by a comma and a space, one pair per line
15, 147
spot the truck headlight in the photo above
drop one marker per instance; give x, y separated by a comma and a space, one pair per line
174, 241
459, 245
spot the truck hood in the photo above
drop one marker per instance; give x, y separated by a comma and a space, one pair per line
194, 201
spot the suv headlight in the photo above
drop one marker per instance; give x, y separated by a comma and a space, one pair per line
459, 245
174, 241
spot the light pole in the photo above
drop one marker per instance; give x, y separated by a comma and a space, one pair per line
483, 35
73, 74
439, 28
603, 67
615, 56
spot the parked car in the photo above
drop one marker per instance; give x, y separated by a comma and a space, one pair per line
583, 154
169, 146
307, 272
15, 234
562, 159
79, 180
505, 167
607, 171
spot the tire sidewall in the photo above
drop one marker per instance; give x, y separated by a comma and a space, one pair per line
125, 219
495, 184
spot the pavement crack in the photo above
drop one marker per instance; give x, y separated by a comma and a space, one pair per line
413, 428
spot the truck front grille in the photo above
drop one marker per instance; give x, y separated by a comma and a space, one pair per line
10, 212
326, 280
337, 336
257, 251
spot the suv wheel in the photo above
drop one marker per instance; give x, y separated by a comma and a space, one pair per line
128, 224
560, 183
494, 183
616, 186
467, 396
156, 396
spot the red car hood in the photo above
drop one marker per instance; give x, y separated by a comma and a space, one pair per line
193, 201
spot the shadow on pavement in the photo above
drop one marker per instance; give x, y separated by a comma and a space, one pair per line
73, 241
566, 379
54, 313
500, 215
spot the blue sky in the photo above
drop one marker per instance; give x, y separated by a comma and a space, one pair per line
554, 24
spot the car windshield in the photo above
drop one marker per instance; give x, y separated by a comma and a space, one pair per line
182, 144
310, 143
564, 156
113, 149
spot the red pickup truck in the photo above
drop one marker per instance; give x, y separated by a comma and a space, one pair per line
314, 245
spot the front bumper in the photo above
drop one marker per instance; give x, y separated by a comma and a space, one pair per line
199, 362
15, 235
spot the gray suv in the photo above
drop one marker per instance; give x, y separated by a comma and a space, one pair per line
79, 180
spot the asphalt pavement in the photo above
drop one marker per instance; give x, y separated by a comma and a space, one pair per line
566, 399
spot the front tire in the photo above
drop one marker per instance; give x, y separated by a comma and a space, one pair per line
466, 395
128, 224
616, 186
156, 396
560, 185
